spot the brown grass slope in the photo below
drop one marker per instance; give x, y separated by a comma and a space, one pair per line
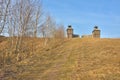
73, 59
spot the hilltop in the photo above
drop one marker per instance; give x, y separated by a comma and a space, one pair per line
70, 59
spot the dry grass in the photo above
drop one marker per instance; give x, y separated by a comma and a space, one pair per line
69, 59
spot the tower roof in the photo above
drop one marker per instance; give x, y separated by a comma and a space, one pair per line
69, 27
96, 28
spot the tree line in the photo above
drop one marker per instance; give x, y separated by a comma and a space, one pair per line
27, 18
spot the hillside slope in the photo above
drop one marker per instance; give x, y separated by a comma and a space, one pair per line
74, 59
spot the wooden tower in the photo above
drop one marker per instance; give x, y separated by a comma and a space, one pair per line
70, 32
96, 32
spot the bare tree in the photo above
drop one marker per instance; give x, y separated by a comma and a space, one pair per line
50, 26
23, 20
60, 32
48, 29
51, 31
38, 19
4, 6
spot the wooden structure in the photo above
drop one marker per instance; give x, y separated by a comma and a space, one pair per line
96, 32
70, 32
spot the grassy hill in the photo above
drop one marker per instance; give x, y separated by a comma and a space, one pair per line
70, 59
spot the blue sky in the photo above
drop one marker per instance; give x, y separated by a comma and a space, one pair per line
83, 15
